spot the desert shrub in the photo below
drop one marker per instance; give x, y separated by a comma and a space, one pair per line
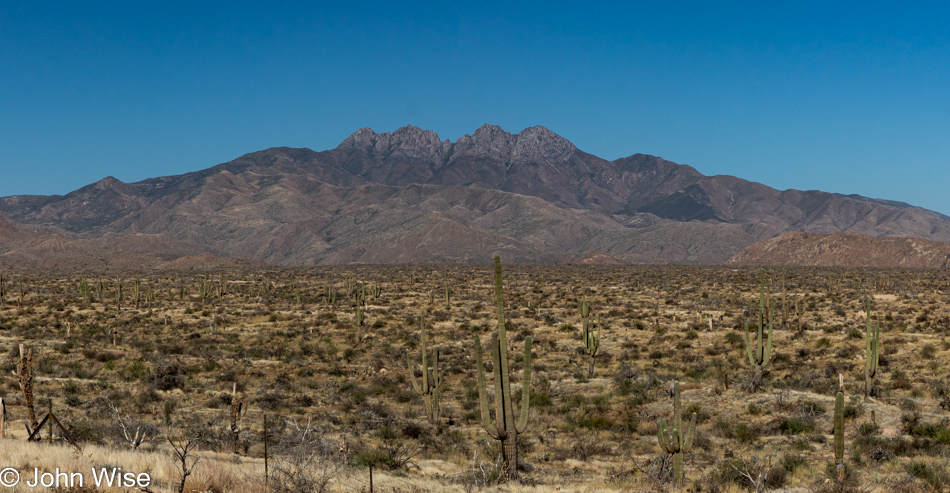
791, 462
597, 422
868, 428
723, 427
734, 338
747, 473
798, 426
84, 431
936, 476
134, 371
414, 431
935, 432
304, 462
584, 446
167, 374
72, 393
746, 433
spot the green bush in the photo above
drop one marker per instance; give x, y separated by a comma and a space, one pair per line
935, 476
746, 433
597, 423
791, 462
798, 426
936, 432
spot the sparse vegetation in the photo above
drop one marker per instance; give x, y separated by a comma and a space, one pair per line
202, 358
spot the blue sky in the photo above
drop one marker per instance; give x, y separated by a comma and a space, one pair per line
851, 97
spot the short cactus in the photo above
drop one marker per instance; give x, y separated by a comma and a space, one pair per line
675, 441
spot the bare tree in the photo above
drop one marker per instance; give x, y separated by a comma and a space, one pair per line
305, 461
134, 440
185, 461
754, 472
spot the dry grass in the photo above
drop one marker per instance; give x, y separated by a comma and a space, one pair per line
306, 361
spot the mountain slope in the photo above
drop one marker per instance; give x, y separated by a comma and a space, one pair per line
408, 196
844, 250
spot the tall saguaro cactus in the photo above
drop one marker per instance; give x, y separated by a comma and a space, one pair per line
759, 355
872, 351
504, 428
675, 441
839, 429
431, 379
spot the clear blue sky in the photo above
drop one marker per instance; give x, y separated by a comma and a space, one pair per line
843, 97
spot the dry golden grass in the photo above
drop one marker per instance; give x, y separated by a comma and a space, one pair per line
306, 361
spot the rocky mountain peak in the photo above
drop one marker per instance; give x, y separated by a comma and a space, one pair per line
488, 141
109, 183
533, 144
409, 141
538, 144
361, 138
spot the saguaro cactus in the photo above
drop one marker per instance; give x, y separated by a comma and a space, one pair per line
583, 307
84, 288
504, 429
375, 291
872, 351
431, 379
591, 343
204, 289
137, 292
359, 315
675, 441
118, 295
760, 355
839, 429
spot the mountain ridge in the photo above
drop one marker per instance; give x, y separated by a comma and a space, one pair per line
287, 205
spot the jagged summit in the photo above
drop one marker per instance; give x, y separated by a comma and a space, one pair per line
409, 141
532, 145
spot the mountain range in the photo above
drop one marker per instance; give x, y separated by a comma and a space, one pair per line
410, 197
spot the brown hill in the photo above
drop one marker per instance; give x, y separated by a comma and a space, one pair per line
844, 250
408, 196
210, 261
598, 258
